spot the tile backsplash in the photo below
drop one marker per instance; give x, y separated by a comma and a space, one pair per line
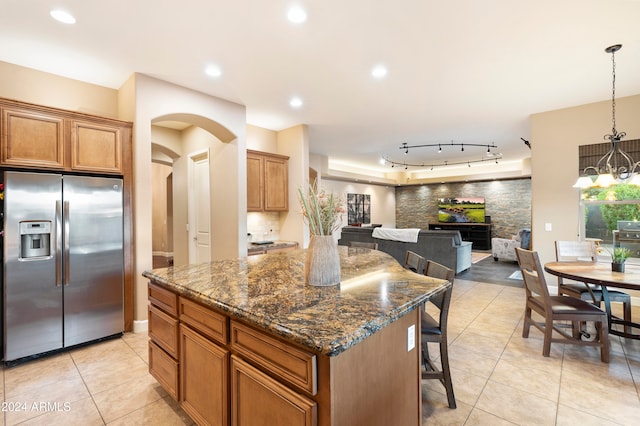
263, 226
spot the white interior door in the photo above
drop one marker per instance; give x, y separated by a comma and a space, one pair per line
199, 208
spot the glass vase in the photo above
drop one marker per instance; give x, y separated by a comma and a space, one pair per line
322, 266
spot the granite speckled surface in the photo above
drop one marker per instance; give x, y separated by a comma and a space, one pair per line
269, 292
258, 248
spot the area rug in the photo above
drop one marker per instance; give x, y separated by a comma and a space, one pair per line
489, 271
478, 256
517, 275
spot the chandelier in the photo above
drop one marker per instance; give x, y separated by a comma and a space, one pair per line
616, 166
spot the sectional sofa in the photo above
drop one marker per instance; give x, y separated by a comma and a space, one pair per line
445, 247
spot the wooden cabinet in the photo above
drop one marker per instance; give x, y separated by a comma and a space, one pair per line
267, 182
204, 381
290, 364
96, 147
204, 363
164, 338
257, 399
276, 183
35, 136
234, 373
255, 182
165, 369
190, 355
31, 138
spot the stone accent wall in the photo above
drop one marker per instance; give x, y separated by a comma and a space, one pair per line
508, 202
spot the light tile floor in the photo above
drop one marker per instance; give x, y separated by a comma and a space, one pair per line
499, 377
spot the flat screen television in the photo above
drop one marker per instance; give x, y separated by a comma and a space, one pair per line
461, 210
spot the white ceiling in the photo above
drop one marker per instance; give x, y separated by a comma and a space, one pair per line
466, 71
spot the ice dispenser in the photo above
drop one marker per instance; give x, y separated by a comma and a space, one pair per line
34, 239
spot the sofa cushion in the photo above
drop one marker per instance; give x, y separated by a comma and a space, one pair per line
524, 235
442, 246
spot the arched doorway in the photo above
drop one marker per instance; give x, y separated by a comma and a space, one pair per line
196, 157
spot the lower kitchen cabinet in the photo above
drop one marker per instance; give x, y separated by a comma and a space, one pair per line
257, 399
163, 339
204, 378
164, 368
231, 372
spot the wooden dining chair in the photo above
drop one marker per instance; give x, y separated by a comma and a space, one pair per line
558, 308
362, 244
413, 262
433, 330
585, 251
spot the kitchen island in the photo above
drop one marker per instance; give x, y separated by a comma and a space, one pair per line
246, 341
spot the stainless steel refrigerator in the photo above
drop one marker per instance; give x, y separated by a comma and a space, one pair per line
63, 263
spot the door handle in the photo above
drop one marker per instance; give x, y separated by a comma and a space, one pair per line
58, 249
65, 218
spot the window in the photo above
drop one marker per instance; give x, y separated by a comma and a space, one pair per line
611, 216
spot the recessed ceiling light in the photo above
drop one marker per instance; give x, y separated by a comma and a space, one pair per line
295, 102
213, 71
62, 16
297, 15
379, 71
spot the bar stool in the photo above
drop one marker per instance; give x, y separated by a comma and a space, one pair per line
436, 331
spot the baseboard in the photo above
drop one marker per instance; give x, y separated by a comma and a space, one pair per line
162, 253
141, 326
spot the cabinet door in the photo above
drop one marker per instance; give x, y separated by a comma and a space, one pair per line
204, 380
255, 185
164, 368
257, 399
276, 188
163, 330
32, 139
96, 147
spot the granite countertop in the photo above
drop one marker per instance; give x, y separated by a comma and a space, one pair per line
259, 247
269, 292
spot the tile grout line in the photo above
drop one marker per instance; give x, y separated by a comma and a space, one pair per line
498, 360
87, 388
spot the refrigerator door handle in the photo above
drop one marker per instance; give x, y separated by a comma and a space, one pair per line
58, 251
65, 218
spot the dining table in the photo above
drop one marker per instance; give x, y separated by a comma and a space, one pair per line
600, 273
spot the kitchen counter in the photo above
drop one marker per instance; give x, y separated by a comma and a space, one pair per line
261, 248
269, 292
250, 329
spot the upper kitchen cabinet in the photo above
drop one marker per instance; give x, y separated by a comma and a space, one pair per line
34, 136
96, 146
267, 182
31, 138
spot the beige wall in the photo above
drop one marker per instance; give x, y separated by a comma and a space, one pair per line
142, 99
383, 200
29, 85
260, 139
155, 99
292, 142
555, 137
